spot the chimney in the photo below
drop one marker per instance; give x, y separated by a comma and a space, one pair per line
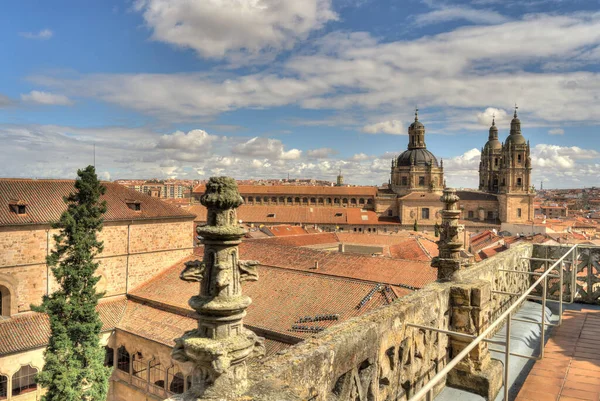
341, 248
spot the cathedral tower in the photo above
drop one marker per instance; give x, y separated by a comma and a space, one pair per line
489, 167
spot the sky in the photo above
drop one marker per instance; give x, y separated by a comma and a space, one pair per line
265, 88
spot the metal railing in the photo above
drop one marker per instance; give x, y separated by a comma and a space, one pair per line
427, 390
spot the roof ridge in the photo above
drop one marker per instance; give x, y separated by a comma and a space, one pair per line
423, 248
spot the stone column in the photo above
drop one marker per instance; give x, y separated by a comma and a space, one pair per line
451, 248
220, 346
470, 307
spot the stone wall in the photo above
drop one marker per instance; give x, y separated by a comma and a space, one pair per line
377, 356
134, 251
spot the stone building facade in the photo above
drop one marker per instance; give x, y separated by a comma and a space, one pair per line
142, 236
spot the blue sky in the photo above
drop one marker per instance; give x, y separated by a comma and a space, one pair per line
263, 88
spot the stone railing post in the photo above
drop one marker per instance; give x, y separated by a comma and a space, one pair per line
220, 346
470, 308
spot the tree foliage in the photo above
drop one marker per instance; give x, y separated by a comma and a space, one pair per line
74, 360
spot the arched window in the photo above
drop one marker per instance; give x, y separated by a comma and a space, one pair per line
4, 301
281, 199
519, 182
361, 201
369, 201
304, 200
321, 201
123, 359
345, 200
265, 199
329, 201
313, 200
336, 201
175, 380
289, 199
139, 369
24, 380
353, 201
3, 387
274, 199
157, 375
297, 200
250, 199
109, 356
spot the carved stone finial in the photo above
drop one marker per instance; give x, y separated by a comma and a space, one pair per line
219, 347
450, 244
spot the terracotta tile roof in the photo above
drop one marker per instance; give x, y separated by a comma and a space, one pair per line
299, 190
297, 215
284, 230
415, 249
31, 330
279, 298
45, 203
377, 269
302, 240
489, 252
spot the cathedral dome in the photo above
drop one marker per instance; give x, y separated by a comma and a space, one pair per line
493, 143
416, 125
421, 157
516, 139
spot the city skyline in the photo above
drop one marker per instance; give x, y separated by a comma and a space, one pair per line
304, 89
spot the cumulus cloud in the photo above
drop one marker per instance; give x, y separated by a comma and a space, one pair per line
192, 140
44, 34
47, 98
392, 127
560, 157
360, 157
265, 147
321, 153
485, 118
556, 131
239, 30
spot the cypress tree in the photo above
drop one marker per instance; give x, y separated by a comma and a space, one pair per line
416, 226
74, 360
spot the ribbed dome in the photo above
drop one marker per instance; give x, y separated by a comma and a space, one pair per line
416, 124
516, 139
422, 157
493, 144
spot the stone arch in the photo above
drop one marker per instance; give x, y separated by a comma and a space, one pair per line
8, 295
23, 380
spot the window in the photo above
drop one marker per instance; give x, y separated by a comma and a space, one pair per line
175, 380
297, 200
361, 201
329, 201
519, 182
274, 199
109, 356
519, 158
336, 200
24, 380
425, 213
270, 214
123, 359
289, 199
471, 214
3, 387
134, 205
304, 200
490, 215
421, 181
281, 199
250, 199
519, 212
496, 161
313, 200
345, 200
353, 201
404, 181
390, 212
265, 199
321, 200
4, 301
370, 202
157, 374
20, 209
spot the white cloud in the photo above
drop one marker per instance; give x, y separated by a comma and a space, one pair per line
485, 118
453, 13
239, 30
321, 153
265, 147
44, 34
46, 98
392, 127
360, 157
193, 140
556, 131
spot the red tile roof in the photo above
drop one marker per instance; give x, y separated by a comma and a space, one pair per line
377, 269
279, 298
298, 215
302, 240
285, 230
31, 330
415, 249
299, 190
44, 199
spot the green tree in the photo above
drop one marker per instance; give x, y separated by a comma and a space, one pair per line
416, 226
74, 360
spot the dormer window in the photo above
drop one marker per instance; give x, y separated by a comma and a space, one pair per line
135, 205
338, 215
271, 215
18, 206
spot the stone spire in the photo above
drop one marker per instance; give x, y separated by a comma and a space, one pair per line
450, 245
416, 133
219, 348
